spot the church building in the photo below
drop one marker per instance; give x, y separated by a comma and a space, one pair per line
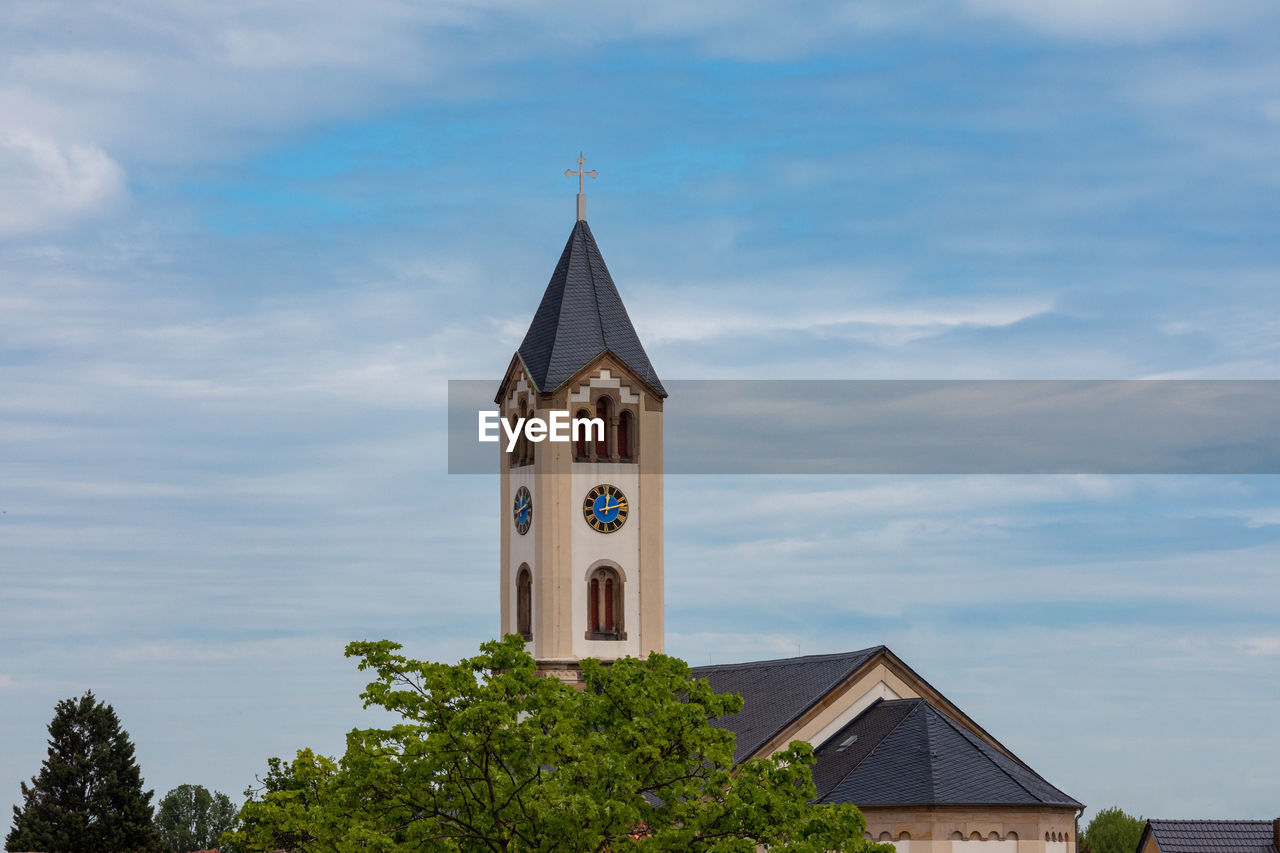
582, 576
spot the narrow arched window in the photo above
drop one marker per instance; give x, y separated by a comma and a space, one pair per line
624, 436
513, 457
525, 444
603, 413
580, 440
604, 605
524, 603
593, 613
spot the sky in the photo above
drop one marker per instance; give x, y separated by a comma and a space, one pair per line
244, 247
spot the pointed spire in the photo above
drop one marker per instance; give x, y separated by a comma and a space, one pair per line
581, 316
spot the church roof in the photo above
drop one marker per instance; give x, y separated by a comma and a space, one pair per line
1212, 836
907, 752
581, 316
777, 692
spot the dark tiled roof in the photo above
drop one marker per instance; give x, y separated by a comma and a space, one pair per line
581, 315
908, 752
1212, 836
776, 692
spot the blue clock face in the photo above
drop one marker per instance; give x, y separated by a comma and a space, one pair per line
523, 510
605, 508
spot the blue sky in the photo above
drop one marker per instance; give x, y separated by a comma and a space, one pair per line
243, 250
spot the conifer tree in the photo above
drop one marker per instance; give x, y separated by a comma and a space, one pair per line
87, 797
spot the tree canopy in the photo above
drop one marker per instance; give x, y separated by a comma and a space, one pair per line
1112, 831
488, 756
87, 797
190, 818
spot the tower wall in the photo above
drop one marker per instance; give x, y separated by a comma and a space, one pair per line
560, 548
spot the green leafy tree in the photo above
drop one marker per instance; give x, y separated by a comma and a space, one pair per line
190, 818
487, 756
87, 797
1112, 831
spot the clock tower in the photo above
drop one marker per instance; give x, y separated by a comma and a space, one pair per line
581, 520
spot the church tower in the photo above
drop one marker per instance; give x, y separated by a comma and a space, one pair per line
581, 520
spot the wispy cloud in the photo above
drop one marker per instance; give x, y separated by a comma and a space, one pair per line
1266, 646
47, 185
1133, 21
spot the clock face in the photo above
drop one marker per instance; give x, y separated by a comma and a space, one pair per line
523, 510
605, 508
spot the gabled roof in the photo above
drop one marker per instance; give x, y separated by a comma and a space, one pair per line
581, 316
906, 752
1211, 836
776, 692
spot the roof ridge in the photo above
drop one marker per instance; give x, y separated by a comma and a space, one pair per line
1209, 820
932, 776
595, 293
790, 660
560, 318
567, 257
982, 747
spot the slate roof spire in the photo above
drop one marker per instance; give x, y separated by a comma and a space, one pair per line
581, 316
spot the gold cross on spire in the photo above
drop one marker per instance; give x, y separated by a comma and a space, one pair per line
580, 174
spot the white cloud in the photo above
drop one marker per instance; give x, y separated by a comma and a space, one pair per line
668, 318
46, 184
1120, 20
1266, 646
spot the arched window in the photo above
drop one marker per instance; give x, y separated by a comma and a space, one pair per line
524, 602
904, 836
604, 605
624, 437
604, 411
580, 444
